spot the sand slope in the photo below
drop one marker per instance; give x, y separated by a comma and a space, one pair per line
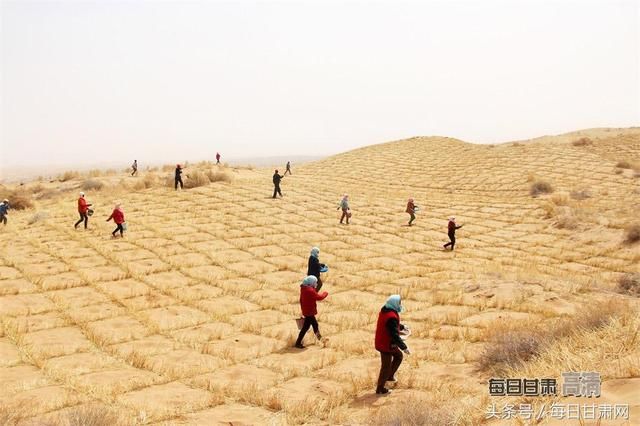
189, 318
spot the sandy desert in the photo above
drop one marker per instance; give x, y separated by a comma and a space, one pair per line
189, 319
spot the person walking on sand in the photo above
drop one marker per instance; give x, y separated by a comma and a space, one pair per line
411, 209
288, 168
217, 158
276, 184
4, 211
389, 343
308, 297
178, 177
134, 168
83, 209
346, 211
118, 217
452, 232
315, 266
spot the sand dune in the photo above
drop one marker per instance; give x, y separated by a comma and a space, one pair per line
190, 318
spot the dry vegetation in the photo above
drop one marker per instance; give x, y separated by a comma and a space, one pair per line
540, 187
629, 284
632, 233
190, 318
513, 345
19, 200
582, 142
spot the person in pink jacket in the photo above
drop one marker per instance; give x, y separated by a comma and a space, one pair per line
118, 217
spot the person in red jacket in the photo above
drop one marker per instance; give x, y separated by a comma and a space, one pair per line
217, 158
308, 298
83, 208
451, 230
411, 209
389, 343
118, 217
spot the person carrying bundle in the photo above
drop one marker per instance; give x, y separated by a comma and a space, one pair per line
308, 297
83, 210
346, 210
315, 267
389, 343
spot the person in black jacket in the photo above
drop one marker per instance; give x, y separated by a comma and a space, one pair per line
178, 178
315, 266
276, 184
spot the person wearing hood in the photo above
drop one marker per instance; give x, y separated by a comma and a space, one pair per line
178, 177
346, 210
118, 217
276, 184
315, 266
83, 208
411, 209
4, 209
451, 231
308, 297
389, 343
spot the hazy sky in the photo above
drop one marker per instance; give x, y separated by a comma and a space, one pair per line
93, 81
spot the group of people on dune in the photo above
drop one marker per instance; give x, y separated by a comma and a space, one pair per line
389, 329
388, 340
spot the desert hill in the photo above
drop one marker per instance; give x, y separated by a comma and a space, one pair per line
190, 318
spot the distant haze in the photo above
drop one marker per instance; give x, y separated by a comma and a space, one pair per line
87, 82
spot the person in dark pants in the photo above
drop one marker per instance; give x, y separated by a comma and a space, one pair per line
134, 168
4, 210
308, 298
452, 232
217, 158
118, 217
389, 343
276, 184
83, 208
346, 210
288, 168
178, 178
411, 209
315, 266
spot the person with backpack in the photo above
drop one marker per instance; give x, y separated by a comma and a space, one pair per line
346, 211
451, 231
308, 297
288, 168
118, 217
178, 177
134, 167
411, 209
389, 343
276, 184
314, 266
83, 209
4, 210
